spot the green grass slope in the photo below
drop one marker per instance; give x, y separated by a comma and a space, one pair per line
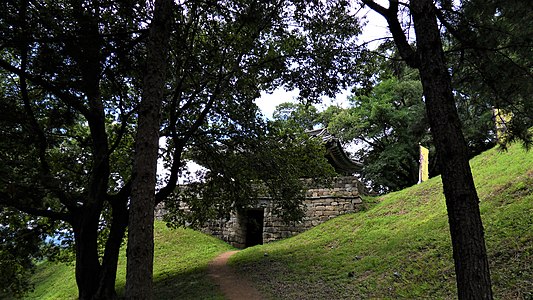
180, 264
400, 247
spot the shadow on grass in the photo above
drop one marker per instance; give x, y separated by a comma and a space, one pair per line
186, 285
194, 284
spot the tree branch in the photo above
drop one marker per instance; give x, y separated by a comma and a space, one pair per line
391, 15
65, 97
7, 200
121, 131
41, 142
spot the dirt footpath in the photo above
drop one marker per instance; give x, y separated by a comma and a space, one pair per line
233, 286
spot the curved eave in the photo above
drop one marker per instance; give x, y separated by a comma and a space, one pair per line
335, 154
339, 159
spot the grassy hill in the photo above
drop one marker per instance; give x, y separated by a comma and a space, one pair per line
180, 265
399, 247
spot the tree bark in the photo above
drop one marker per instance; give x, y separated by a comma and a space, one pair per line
108, 273
141, 221
462, 202
87, 264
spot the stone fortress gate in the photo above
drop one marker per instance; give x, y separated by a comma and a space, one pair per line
260, 224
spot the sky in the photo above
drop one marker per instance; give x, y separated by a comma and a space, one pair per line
374, 29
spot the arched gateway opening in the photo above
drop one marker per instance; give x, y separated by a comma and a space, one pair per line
254, 227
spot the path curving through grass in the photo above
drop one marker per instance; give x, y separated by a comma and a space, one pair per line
232, 286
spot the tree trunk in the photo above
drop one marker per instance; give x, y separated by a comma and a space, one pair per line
89, 58
466, 229
87, 264
108, 273
141, 222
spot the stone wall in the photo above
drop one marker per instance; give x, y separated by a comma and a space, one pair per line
321, 204
230, 231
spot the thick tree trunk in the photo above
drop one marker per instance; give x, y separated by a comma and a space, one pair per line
471, 264
141, 221
87, 264
95, 280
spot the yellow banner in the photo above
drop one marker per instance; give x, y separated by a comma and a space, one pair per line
423, 172
501, 120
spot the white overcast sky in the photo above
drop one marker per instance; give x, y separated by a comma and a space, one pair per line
375, 28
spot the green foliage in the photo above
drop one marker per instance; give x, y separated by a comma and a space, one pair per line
16, 266
400, 246
24, 243
389, 122
296, 115
490, 51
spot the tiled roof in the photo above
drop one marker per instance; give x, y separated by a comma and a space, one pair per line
335, 153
